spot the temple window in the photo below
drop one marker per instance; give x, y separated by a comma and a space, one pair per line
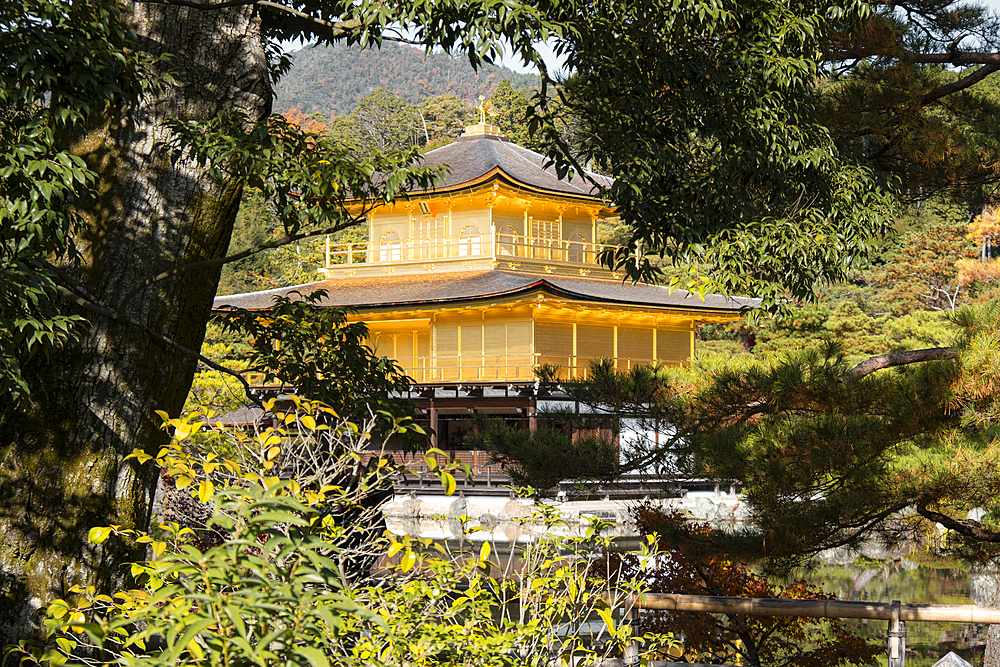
470, 242
429, 234
390, 248
507, 239
545, 238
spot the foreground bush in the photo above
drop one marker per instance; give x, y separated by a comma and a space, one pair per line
291, 572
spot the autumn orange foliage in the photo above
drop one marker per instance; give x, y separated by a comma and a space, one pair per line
756, 641
313, 123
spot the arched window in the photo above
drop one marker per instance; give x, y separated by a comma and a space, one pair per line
575, 253
506, 240
470, 243
390, 248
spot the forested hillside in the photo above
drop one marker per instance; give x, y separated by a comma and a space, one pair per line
935, 263
332, 80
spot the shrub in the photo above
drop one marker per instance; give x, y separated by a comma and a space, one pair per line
283, 589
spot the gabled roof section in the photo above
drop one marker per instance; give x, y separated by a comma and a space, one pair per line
367, 294
472, 160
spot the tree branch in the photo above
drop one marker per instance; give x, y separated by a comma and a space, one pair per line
208, 263
901, 359
98, 309
963, 83
958, 58
308, 23
299, 20
966, 527
202, 5
951, 58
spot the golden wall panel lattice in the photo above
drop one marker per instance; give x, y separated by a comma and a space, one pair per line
673, 346
554, 344
594, 342
446, 351
635, 346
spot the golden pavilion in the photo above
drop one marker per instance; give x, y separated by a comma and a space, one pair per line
472, 285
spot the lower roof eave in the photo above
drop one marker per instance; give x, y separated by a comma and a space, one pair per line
473, 288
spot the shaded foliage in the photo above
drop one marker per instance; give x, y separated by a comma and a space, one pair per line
319, 353
47, 94
686, 568
711, 133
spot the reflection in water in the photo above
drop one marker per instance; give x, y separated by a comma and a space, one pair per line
907, 582
985, 590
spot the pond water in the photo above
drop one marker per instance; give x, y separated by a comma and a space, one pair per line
907, 581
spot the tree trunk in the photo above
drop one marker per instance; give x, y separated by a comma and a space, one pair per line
61, 456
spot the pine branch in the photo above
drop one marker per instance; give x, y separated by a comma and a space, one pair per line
963, 83
966, 527
901, 359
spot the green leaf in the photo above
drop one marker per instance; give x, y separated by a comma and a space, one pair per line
98, 534
448, 480
315, 656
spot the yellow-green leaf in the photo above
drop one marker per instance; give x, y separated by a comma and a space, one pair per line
408, 561
608, 619
58, 608
205, 491
66, 644
449, 483
99, 534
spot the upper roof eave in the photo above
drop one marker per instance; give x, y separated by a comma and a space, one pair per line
485, 181
456, 289
472, 161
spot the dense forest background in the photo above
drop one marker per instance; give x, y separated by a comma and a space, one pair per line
331, 80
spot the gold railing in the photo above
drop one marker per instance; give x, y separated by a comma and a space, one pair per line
488, 368
499, 247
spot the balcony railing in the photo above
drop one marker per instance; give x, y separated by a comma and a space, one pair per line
490, 368
498, 247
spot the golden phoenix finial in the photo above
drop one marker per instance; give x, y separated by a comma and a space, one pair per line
486, 107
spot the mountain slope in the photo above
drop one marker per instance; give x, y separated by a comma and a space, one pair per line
331, 80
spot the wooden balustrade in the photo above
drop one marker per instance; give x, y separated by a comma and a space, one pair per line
557, 251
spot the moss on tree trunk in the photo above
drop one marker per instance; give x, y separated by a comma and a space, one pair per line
62, 468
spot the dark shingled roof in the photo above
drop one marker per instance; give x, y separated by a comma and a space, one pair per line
440, 288
471, 158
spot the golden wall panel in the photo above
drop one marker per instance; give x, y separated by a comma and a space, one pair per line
519, 363
446, 351
554, 343
673, 346
595, 342
404, 349
634, 346
471, 351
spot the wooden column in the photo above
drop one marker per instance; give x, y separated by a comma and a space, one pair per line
434, 424
897, 637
